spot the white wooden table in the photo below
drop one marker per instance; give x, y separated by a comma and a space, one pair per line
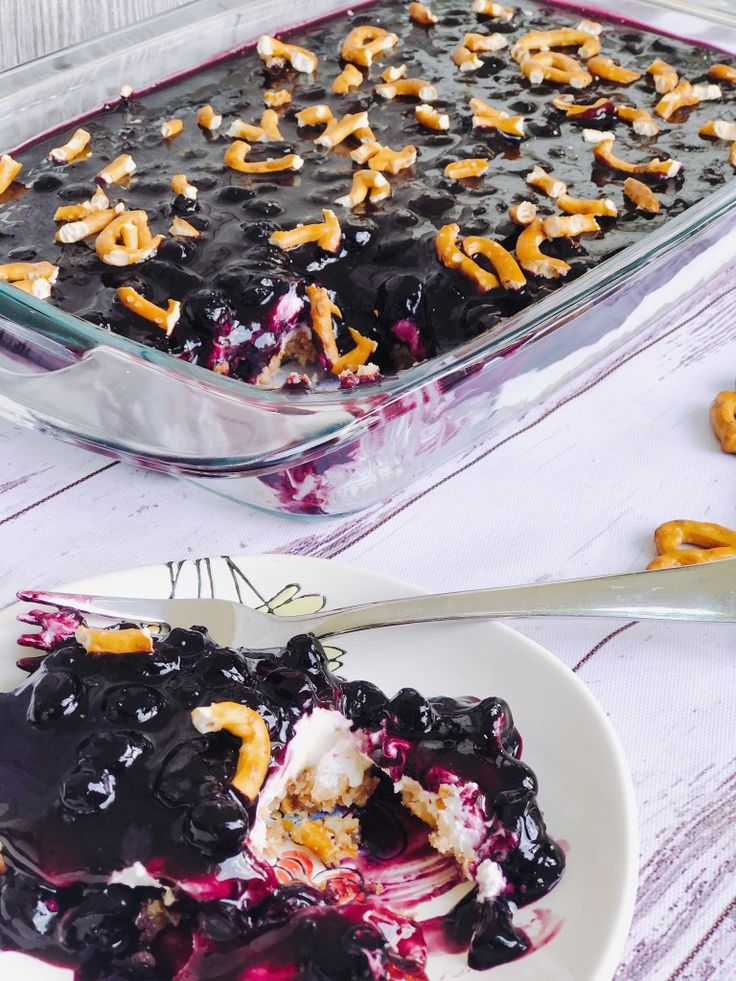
575, 488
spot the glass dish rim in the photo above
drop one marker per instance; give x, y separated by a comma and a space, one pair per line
566, 301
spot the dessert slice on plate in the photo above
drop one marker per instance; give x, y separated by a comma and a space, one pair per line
177, 810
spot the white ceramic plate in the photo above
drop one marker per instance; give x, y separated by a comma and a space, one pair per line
585, 791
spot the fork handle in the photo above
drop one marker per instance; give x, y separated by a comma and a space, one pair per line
704, 592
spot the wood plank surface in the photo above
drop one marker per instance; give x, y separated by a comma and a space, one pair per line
31, 28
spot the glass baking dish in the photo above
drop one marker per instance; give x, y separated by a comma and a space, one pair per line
319, 452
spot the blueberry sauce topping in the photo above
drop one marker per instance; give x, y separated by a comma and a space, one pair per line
242, 297
126, 844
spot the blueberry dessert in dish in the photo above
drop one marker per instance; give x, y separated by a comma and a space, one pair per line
355, 197
166, 802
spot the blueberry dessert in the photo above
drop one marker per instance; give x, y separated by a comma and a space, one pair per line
166, 801
351, 199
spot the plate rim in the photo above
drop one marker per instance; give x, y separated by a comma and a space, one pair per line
611, 952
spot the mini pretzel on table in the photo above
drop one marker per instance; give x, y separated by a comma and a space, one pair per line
723, 420
674, 538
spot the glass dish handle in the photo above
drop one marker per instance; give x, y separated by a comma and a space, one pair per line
110, 400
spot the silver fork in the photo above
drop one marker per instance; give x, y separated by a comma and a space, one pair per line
699, 592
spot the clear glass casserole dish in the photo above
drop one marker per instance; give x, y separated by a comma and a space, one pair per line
318, 452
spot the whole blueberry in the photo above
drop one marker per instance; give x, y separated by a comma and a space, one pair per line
217, 825
115, 750
104, 920
364, 702
414, 715
88, 791
133, 703
56, 694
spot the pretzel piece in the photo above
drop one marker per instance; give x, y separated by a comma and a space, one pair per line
40, 288
348, 80
360, 354
9, 170
553, 187
392, 73
523, 213
486, 8
725, 73
165, 319
276, 54
535, 261
552, 66
15, 272
389, 161
319, 115
127, 240
707, 92
603, 207
422, 15
506, 267
570, 226
685, 94
183, 228
606, 68
277, 98
117, 170
363, 44
76, 145
366, 184
235, 158
600, 109
487, 117
171, 128
322, 310
327, 234
671, 540
466, 60
682, 95
452, 257
254, 756
603, 152
362, 154
641, 120
642, 196
250, 132
270, 125
338, 130
723, 420
719, 129
589, 26
461, 170
415, 88
180, 185
207, 118
665, 77
432, 118
131, 640
564, 37
91, 224
485, 43
98, 202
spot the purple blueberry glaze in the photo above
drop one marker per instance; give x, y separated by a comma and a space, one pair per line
242, 297
101, 770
